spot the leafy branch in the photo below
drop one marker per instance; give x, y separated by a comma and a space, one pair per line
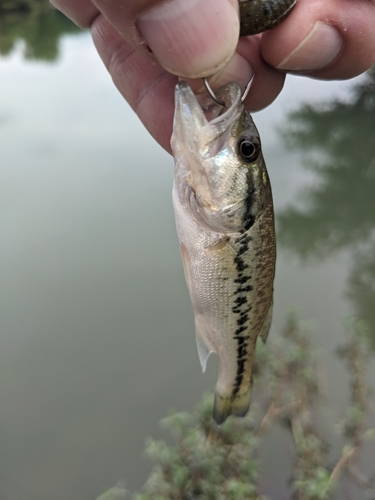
207, 462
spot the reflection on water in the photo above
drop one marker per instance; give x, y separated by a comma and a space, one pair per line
37, 24
338, 212
97, 338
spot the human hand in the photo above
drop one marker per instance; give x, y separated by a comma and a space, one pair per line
146, 43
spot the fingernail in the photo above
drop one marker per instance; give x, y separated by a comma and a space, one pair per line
237, 70
318, 49
191, 38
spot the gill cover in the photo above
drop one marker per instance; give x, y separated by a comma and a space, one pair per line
213, 147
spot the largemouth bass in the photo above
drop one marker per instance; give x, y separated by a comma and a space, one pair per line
225, 223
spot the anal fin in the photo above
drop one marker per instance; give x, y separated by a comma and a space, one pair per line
204, 350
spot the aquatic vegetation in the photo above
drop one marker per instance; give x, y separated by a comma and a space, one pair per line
223, 463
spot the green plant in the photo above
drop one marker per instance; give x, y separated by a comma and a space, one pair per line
207, 462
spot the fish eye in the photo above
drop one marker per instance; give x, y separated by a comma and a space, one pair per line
249, 148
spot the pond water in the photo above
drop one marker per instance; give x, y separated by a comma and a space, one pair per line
97, 339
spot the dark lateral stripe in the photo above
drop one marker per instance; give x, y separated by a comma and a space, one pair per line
242, 280
240, 330
240, 300
247, 288
249, 222
241, 350
240, 264
244, 238
241, 338
248, 218
242, 320
241, 366
238, 380
239, 308
242, 250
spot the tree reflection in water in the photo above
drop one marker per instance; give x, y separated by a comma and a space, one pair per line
339, 210
37, 24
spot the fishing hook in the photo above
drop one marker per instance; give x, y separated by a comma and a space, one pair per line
212, 94
247, 88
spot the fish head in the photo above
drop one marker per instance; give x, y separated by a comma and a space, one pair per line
220, 174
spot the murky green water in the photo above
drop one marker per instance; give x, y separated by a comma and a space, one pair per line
97, 340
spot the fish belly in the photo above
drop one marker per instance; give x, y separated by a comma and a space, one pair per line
230, 280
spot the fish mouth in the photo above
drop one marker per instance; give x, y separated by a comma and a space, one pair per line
199, 120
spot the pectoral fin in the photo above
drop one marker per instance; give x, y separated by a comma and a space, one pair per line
267, 323
186, 264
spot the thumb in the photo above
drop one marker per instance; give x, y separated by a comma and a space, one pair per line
189, 38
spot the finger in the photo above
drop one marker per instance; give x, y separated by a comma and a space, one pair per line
328, 40
148, 88
82, 12
190, 38
267, 83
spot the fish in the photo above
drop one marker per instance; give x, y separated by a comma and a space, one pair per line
224, 216
257, 16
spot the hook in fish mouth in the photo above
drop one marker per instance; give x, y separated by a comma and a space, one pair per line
222, 103
200, 119
211, 92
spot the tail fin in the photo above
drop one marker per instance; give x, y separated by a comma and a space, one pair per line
226, 405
